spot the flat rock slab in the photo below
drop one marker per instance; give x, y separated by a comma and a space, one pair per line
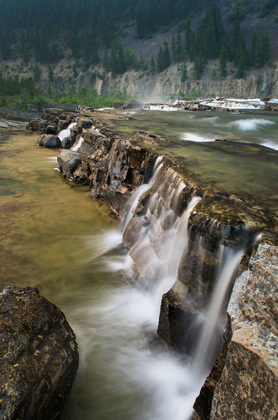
38, 356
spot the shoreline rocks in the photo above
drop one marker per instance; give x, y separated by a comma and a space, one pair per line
39, 357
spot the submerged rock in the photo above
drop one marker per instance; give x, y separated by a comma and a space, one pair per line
38, 356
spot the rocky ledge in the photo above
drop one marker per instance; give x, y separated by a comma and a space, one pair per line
114, 165
38, 356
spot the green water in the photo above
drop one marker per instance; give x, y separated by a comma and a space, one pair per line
51, 235
242, 165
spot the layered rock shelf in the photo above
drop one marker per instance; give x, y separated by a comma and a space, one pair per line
114, 165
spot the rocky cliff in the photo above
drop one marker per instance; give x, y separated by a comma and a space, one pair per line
257, 83
115, 165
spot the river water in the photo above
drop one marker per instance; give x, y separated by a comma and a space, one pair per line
52, 237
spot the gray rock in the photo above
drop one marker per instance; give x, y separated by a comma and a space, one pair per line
248, 388
69, 162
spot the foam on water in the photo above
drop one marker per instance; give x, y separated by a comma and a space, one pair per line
198, 138
252, 124
270, 145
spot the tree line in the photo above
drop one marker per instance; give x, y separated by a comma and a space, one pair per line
46, 30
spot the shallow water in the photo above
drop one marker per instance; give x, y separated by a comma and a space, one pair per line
52, 237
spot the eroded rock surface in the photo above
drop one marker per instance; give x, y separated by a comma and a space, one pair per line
248, 388
38, 356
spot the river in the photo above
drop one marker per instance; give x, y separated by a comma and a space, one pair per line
52, 236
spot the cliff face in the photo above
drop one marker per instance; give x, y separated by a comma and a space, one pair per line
115, 166
257, 83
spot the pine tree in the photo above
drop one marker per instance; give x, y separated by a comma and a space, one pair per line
253, 48
223, 61
189, 38
152, 65
174, 46
199, 65
179, 50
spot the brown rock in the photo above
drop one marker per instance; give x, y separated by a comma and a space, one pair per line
38, 356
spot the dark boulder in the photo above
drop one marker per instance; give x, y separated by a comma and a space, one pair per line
38, 356
84, 123
51, 129
49, 141
69, 162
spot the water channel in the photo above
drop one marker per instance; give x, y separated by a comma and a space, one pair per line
52, 237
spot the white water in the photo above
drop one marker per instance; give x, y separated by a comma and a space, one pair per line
65, 133
162, 108
214, 317
169, 386
77, 145
133, 202
252, 124
196, 138
270, 145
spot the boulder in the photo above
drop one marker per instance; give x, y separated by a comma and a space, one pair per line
49, 141
38, 356
84, 123
69, 162
51, 129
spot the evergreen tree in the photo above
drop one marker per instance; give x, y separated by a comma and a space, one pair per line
173, 46
163, 59
37, 73
235, 36
199, 65
50, 73
183, 69
241, 66
152, 65
223, 61
189, 37
253, 49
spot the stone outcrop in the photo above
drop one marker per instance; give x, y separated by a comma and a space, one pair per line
38, 356
52, 121
250, 375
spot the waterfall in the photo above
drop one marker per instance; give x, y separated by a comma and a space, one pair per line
158, 238
77, 145
133, 202
214, 317
65, 133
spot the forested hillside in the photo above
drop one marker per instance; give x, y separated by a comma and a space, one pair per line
43, 39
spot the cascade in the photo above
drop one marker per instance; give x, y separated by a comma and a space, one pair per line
65, 133
155, 228
77, 145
